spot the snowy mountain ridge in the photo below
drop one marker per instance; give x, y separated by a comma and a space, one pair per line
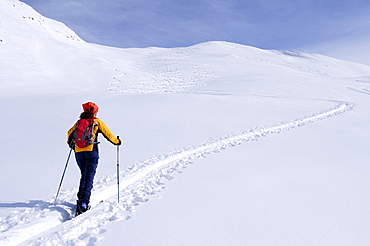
47, 48
18, 16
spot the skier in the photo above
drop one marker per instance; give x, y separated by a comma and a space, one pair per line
87, 157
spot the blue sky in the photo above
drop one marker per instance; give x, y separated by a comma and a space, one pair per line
334, 27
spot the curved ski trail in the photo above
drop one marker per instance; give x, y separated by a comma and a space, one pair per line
117, 82
45, 224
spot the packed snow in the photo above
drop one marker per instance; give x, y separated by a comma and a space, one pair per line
223, 144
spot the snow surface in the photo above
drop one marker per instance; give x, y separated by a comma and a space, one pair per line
223, 144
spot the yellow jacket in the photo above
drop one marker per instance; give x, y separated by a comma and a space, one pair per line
99, 127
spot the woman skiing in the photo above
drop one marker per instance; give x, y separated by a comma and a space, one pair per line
83, 138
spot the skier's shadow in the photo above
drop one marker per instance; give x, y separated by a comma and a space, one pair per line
39, 205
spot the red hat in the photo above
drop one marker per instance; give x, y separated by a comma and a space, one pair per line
90, 106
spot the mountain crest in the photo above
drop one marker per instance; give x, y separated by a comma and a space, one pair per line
18, 17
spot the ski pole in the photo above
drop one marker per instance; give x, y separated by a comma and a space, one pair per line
118, 169
60, 185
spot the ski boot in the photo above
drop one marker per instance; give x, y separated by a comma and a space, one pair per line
82, 207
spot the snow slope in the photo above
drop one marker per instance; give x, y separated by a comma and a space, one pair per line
224, 144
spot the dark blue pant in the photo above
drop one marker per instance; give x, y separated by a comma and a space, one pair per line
87, 161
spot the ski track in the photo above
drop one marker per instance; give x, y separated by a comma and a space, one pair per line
164, 74
364, 90
361, 89
41, 223
117, 82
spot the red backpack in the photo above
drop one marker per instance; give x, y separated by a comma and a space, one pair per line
83, 133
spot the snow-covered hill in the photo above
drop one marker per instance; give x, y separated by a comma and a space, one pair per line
192, 169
